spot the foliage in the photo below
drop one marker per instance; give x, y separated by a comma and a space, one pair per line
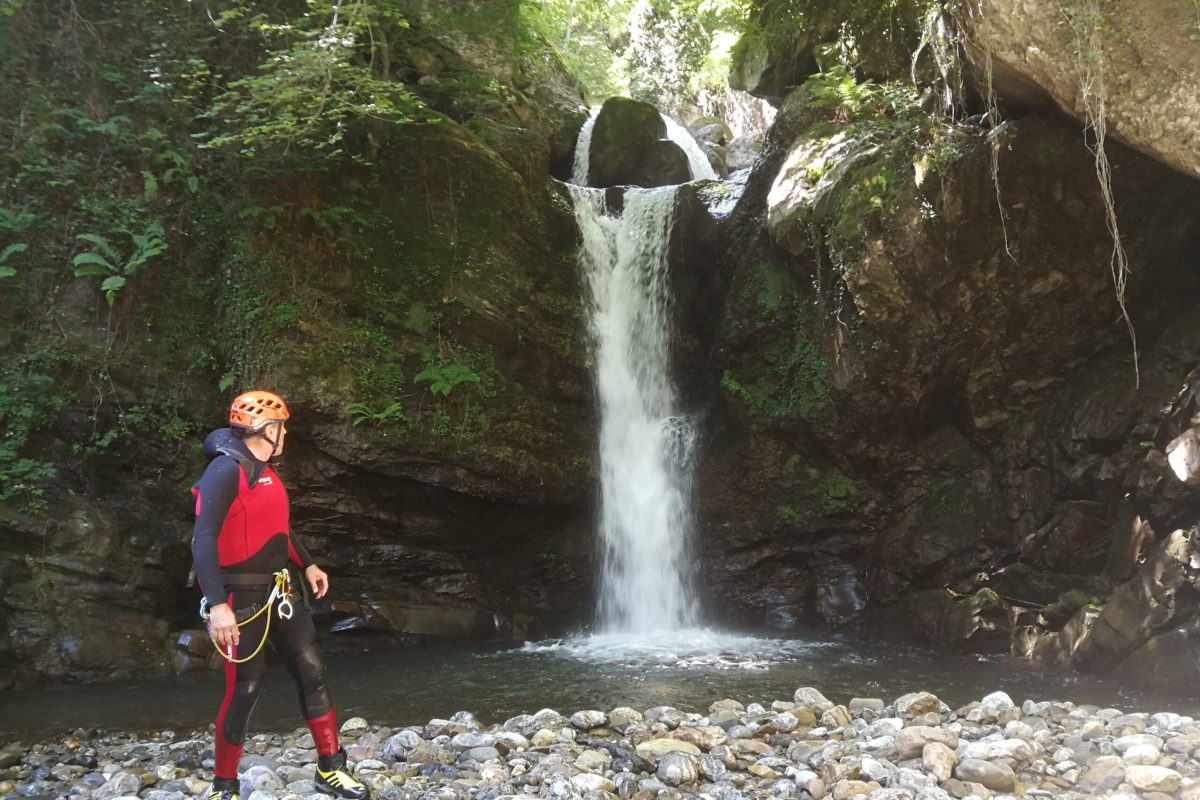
323, 71
654, 50
791, 375
104, 261
833, 493
389, 414
678, 49
883, 143
30, 399
443, 377
885, 33
837, 492
6, 271
588, 36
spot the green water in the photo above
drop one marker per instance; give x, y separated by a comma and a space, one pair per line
413, 685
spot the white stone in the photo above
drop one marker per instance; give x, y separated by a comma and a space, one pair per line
812, 699
354, 725
1153, 779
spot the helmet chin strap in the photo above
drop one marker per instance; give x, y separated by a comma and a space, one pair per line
277, 426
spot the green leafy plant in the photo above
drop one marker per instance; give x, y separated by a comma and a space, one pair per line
389, 414
29, 402
104, 261
6, 270
442, 377
325, 69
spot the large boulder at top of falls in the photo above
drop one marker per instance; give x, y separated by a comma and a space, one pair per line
629, 148
1146, 65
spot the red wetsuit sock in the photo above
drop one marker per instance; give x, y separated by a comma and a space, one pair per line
325, 733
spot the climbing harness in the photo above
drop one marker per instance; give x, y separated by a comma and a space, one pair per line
281, 591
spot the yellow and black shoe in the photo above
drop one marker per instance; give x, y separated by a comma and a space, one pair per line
224, 789
333, 779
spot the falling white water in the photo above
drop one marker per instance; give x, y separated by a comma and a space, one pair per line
697, 161
645, 441
583, 151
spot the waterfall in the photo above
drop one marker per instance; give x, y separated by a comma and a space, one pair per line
583, 152
697, 161
646, 442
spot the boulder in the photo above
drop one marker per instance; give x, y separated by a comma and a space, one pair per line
1144, 48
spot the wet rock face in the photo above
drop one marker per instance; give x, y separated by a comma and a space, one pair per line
785, 43
1150, 68
454, 512
629, 148
916, 402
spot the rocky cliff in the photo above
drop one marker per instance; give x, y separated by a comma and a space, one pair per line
423, 317
929, 421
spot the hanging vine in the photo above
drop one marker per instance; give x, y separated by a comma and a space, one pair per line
1087, 22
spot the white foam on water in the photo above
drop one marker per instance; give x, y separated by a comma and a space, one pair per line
685, 648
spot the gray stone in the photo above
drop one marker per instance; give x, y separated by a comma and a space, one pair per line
678, 768
508, 742
469, 740
465, 720
587, 782
354, 725
593, 760
997, 777
260, 778
118, 785
812, 699
727, 705
860, 704
706, 737
910, 742
712, 767
1125, 742
398, 745
620, 718
998, 707
671, 717
479, 754
1148, 72
586, 720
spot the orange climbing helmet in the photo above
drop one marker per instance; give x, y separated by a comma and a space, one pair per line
255, 409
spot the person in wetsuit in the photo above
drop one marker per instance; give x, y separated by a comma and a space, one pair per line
242, 537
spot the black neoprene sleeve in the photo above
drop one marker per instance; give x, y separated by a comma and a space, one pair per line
306, 560
216, 489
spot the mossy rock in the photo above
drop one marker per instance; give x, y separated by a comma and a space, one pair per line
624, 131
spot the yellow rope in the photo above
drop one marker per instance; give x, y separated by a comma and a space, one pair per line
282, 589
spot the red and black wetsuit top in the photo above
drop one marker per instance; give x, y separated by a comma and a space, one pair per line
242, 521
